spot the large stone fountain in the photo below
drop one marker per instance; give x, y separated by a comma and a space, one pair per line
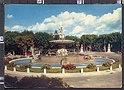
62, 51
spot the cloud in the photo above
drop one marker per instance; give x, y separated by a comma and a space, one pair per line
9, 16
77, 29
110, 22
18, 28
79, 23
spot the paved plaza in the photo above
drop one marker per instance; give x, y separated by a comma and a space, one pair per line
113, 80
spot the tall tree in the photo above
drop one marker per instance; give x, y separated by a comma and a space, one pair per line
25, 40
41, 40
10, 44
24, 43
88, 41
72, 45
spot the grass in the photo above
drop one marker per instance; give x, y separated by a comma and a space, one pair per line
54, 70
116, 65
89, 70
77, 70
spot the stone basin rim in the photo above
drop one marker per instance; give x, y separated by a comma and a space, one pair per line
58, 67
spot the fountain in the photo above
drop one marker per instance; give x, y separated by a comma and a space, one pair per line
62, 57
62, 51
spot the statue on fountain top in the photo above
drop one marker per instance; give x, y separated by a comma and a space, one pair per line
61, 34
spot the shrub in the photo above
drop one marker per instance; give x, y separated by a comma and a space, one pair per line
47, 66
12, 64
24, 66
6, 62
8, 58
15, 58
69, 66
23, 57
107, 64
36, 82
10, 81
91, 66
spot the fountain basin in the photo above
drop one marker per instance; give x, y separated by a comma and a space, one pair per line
97, 61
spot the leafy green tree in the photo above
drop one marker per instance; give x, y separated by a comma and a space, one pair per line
88, 41
116, 41
10, 44
72, 45
41, 40
24, 43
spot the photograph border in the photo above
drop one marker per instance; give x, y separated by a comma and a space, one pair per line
3, 2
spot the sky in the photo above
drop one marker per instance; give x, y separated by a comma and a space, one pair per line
76, 19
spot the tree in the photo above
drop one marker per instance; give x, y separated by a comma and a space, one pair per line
88, 41
116, 39
24, 42
41, 40
10, 44
74, 38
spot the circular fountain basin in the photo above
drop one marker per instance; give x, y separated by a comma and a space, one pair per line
97, 61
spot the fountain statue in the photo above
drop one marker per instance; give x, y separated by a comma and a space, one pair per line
61, 34
109, 48
81, 49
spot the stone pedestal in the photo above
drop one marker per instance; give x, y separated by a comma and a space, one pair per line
63, 70
120, 68
5, 67
97, 69
44, 70
14, 69
110, 68
82, 70
28, 70
119, 65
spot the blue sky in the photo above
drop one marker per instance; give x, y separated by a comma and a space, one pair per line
76, 19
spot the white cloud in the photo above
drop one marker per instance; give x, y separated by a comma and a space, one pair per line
77, 29
16, 27
79, 23
111, 17
9, 16
94, 32
89, 19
